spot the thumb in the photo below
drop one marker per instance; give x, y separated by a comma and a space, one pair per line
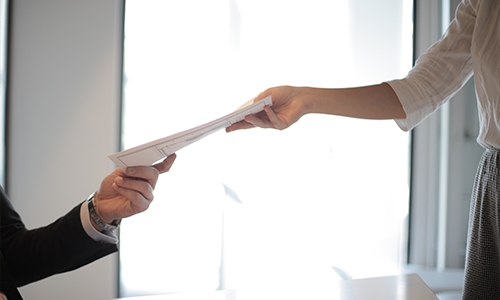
166, 164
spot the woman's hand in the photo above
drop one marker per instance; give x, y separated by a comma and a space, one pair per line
289, 105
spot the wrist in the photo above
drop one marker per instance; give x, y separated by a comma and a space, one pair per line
308, 97
98, 209
95, 218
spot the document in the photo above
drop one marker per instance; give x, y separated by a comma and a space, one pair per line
149, 153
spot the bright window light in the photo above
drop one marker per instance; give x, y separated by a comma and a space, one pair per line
261, 211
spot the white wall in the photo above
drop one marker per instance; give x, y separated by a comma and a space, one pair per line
64, 90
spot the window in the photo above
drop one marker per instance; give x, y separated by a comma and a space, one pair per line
3, 78
261, 210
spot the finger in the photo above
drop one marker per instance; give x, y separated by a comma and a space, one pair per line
273, 117
166, 164
258, 122
239, 125
138, 202
145, 173
263, 120
134, 186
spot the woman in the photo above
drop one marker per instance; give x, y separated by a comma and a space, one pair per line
470, 46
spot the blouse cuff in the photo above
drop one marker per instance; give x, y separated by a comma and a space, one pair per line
416, 111
103, 237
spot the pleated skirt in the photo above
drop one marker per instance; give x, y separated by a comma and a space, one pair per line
482, 265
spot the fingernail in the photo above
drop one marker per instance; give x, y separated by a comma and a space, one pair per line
130, 171
119, 180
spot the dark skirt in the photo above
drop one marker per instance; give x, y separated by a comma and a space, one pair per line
482, 265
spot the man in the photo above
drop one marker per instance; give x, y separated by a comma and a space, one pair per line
83, 235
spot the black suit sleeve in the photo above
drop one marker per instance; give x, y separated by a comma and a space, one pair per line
62, 246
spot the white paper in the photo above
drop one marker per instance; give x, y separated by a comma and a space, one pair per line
149, 153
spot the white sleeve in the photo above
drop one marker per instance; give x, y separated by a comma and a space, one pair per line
440, 72
108, 237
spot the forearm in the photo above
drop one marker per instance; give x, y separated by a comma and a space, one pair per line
59, 247
369, 102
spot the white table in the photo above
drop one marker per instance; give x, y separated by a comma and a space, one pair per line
213, 295
401, 287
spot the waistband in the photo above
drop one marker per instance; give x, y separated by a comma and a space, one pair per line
492, 149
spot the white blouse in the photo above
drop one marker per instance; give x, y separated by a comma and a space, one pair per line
471, 45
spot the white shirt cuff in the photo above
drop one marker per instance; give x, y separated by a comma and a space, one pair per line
104, 237
410, 95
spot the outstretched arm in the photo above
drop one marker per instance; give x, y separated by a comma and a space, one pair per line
291, 103
64, 245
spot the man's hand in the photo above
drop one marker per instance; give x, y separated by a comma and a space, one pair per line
123, 195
